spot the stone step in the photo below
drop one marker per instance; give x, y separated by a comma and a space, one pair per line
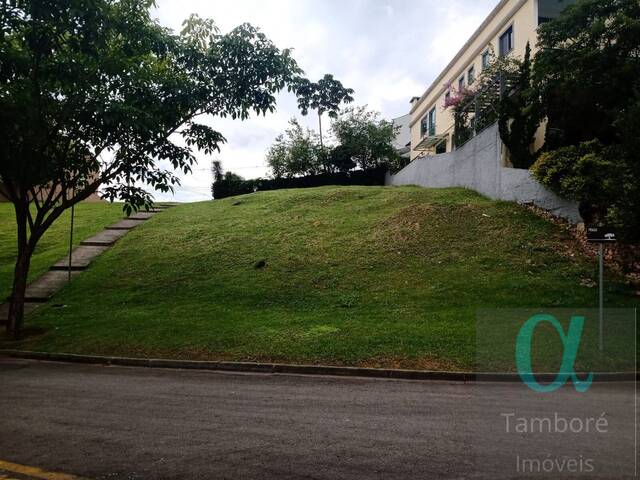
141, 216
47, 285
4, 310
106, 238
124, 225
81, 258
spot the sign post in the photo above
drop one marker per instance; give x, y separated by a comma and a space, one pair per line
601, 235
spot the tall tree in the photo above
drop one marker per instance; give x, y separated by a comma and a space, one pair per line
93, 95
588, 73
588, 70
519, 115
324, 96
295, 153
367, 139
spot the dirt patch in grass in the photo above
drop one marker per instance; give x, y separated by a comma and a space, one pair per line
404, 226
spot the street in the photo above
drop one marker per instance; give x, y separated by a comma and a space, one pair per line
140, 423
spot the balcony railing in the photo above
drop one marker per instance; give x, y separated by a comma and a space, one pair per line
481, 110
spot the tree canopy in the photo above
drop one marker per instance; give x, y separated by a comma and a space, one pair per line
588, 70
367, 138
94, 96
325, 95
296, 152
588, 75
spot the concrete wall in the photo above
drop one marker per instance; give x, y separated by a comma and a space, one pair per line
478, 166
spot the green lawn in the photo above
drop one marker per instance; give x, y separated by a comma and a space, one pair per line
374, 276
90, 218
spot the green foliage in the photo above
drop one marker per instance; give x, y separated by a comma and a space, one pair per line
588, 74
324, 96
95, 95
519, 115
482, 104
295, 153
231, 185
78, 84
341, 158
367, 138
226, 184
624, 210
583, 173
588, 70
364, 141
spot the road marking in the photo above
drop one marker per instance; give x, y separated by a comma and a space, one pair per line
34, 472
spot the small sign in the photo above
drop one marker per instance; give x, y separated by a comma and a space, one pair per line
601, 235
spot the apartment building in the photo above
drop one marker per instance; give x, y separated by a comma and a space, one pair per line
506, 31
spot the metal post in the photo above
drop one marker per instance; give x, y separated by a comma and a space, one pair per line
601, 297
73, 211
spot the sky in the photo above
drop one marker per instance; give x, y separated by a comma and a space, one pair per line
386, 50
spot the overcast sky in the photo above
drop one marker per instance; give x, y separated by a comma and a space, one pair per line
386, 50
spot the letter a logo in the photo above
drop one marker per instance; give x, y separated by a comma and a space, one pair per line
571, 343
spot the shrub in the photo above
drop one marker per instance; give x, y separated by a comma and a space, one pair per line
227, 188
589, 173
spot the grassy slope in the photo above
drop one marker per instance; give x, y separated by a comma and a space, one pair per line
359, 275
90, 218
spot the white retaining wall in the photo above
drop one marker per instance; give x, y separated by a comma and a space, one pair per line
477, 165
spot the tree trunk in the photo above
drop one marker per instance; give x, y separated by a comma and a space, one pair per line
16, 305
320, 125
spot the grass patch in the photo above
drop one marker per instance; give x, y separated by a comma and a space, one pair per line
376, 276
90, 218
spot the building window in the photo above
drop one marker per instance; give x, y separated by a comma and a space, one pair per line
461, 84
428, 123
441, 147
471, 75
424, 125
485, 59
506, 42
432, 122
551, 9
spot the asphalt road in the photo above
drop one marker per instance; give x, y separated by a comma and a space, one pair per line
137, 423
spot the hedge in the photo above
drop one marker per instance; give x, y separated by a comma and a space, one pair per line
236, 186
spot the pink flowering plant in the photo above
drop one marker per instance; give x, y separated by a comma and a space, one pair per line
457, 97
485, 93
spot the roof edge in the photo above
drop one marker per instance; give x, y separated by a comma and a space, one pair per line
467, 44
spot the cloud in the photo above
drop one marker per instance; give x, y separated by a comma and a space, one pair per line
387, 51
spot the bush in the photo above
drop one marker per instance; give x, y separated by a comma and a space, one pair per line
589, 173
227, 188
296, 152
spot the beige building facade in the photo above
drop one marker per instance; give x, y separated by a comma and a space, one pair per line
506, 31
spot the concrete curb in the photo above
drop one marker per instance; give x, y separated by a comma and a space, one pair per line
279, 368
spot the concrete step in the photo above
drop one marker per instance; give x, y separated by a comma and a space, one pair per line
106, 238
81, 258
141, 216
164, 206
124, 225
47, 285
4, 311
